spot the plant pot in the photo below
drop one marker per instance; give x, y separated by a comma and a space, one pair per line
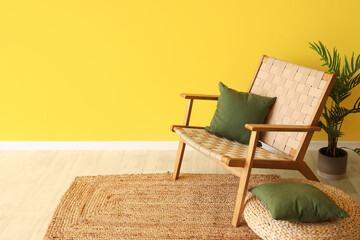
332, 168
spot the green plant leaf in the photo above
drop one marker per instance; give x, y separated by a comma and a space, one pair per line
348, 77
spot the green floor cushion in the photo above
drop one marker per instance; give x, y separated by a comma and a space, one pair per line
297, 202
234, 110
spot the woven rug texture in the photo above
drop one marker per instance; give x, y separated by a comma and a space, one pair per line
196, 206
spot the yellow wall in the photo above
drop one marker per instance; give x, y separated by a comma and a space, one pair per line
113, 69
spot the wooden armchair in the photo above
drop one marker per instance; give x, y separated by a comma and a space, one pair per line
301, 95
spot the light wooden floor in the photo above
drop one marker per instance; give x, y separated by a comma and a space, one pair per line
32, 182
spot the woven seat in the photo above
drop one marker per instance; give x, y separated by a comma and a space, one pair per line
260, 221
301, 94
220, 148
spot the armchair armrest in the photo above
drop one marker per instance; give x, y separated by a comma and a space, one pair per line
191, 97
175, 127
199, 96
281, 128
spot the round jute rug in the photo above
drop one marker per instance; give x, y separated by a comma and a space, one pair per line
259, 219
196, 206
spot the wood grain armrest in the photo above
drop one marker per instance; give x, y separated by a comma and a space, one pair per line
175, 127
199, 96
281, 128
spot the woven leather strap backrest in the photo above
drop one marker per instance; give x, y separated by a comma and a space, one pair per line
301, 94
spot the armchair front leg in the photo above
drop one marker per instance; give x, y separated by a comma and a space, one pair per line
182, 144
244, 178
188, 112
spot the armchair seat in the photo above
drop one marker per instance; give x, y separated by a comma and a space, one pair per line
220, 148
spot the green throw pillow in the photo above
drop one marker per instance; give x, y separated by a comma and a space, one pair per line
297, 202
234, 110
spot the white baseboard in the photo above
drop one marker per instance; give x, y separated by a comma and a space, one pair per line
88, 145
121, 145
320, 144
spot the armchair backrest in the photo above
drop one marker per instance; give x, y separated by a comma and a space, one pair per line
301, 96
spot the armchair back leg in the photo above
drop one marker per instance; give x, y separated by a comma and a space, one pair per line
306, 171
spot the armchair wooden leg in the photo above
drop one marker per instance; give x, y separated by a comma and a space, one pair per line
240, 199
306, 171
179, 157
244, 179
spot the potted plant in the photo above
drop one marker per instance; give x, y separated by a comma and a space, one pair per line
332, 160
